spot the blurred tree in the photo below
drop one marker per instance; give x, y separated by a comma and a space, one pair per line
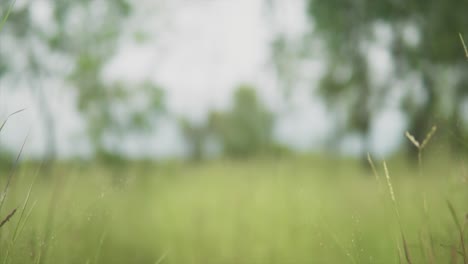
73, 40
116, 111
424, 46
196, 136
246, 129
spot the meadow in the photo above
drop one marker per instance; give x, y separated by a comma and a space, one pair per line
303, 209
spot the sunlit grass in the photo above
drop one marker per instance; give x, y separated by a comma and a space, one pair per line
304, 210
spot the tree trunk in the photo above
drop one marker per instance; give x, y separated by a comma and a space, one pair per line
48, 123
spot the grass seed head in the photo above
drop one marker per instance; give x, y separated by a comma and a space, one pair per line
389, 182
429, 136
412, 139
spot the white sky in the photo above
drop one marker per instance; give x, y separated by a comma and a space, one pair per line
198, 51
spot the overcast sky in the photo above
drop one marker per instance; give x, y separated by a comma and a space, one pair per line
198, 51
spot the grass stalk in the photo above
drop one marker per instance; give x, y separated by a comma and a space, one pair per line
161, 259
464, 45
397, 213
12, 173
338, 243
98, 251
8, 117
20, 224
374, 170
8, 217
8, 12
429, 243
421, 145
400, 253
461, 231
48, 229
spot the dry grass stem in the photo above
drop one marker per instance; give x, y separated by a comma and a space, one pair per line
453, 254
400, 253
426, 140
461, 229
413, 140
8, 12
374, 169
8, 217
161, 259
428, 136
420, 146
12, 172
389, 183
464, 45
406, 249
397, 213
8, 117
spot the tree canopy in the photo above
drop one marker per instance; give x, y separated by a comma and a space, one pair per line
428, 78
73, 43
246, 129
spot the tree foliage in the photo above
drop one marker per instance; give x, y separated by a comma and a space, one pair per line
428, 62
75, 43
196, 136
246, 129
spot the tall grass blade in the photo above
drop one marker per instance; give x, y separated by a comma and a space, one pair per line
8, 217
161, 259
400, 254
428, 136
8, 12
464, 45
412, 139
420, 146
453, 254
390, 189
454, 215
25, 204
12, 173
98, 251
460, 231
338, 243
430, 239
10, 115
27, 217
397, 213
20, 224
49, 223
374, 170
405, 248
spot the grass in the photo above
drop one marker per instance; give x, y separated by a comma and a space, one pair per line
297, 210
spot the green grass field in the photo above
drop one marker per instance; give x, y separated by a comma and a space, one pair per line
295, 210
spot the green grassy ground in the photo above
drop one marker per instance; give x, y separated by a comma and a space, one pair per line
301, 210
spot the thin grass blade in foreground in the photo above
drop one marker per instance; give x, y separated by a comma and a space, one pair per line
420, 145
374, 170
7, 218
48, 229
401, 256
397, 213
161, 259
12, 173
464, 45
461, 229
338, 243
10, 115
427, 239
7, 14
98, 251
20, 224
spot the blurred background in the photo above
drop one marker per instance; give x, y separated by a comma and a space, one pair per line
199, 79
222, 131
